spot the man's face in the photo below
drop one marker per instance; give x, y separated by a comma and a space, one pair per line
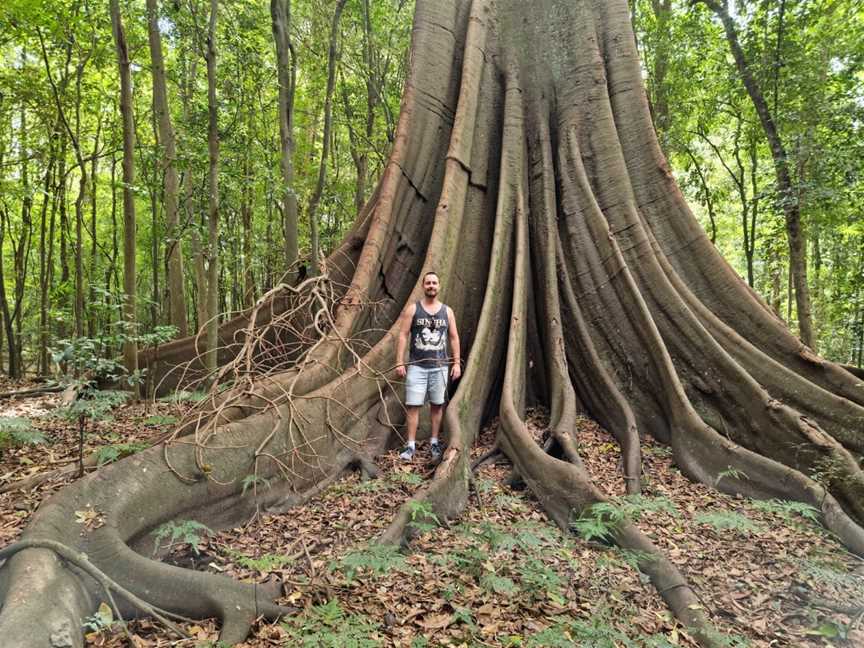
430, 285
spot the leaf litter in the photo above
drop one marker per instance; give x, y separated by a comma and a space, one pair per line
501, 575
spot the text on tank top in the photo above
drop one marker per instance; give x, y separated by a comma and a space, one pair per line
429, 334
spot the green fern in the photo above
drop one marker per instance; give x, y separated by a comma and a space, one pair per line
263, 564
406, 478
423, 518
181, 532
601, 520
19, 431
732, 473
375, 559
537, 577
786, 509
328, 626
111, 453
597, 632
497, 584
254, 481
727, 521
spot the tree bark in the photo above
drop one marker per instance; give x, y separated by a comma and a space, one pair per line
92, 323
286, 68
318, 191
659, 97
130, 346
787, 194
212, 324
49, 196
171, 182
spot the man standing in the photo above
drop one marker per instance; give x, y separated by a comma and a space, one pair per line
431, 327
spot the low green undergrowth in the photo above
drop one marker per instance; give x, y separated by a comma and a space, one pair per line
329, 626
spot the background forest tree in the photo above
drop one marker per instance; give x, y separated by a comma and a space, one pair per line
808, 59
61, 152
61, 156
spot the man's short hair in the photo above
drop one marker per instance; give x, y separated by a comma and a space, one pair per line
433, 273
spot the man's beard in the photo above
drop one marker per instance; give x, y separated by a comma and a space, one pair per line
431, 292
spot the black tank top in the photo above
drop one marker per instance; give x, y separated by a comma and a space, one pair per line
429, 335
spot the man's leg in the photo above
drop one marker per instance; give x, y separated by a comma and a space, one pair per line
416, 385
412, 416
437, 399
436, 413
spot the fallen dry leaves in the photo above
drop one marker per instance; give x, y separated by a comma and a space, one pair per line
501, 575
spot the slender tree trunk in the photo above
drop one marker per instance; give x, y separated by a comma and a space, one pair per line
92, 324
754, 204
213, 189
22, 251
74, 138
130, 346
4, 304
49, 196
79, 204
286, 66
362, 161
706, 194
115, 246
173, 249
58, 205
659, 100
14, 369
788, 199
317, 193
189, 203
246, 217
65, 274
155, 232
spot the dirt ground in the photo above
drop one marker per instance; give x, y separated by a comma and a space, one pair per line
501, 575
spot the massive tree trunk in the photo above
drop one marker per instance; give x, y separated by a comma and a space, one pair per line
531, 179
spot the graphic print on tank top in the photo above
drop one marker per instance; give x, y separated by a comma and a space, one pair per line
429, 337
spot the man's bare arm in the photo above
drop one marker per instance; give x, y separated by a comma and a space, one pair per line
455, 350
402, 341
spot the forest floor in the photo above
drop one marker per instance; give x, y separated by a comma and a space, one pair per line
499, 576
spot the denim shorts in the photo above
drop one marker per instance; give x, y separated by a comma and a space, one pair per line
423, 382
